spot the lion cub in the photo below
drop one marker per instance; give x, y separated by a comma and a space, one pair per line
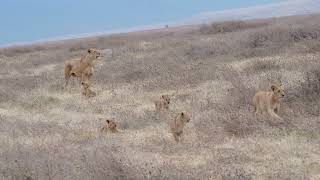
162, 103
111, 125
86, 91
178, 124
269, 101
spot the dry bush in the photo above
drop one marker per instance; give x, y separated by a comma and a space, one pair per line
283, 35
78, 47
13, 51
230, 26
50, 163
308, 94
259, 38
312, 85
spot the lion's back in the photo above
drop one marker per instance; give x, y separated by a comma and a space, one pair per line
262, 97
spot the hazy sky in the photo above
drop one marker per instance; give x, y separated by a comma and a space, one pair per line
30, 20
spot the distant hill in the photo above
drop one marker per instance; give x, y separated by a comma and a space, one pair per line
286, 8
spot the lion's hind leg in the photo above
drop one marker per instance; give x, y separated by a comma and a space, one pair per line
67, 78
257, 110
66, 83
67, 73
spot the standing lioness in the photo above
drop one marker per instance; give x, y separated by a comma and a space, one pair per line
82, 67
269, 101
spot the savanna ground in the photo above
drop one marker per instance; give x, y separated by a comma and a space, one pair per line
212, 71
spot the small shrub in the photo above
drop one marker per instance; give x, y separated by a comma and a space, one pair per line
229, 26
40, 102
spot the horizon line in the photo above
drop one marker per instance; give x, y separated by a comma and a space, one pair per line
197, 19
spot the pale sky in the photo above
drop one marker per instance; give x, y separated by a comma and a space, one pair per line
33, 20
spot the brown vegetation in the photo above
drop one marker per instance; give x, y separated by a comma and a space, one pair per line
48, 133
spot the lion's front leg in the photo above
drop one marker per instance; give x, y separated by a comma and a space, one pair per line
85, 77
274, 115
176, 137
277, 109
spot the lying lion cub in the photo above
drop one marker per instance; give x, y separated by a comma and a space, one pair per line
110, 125
178, 124
269, 101
86, 91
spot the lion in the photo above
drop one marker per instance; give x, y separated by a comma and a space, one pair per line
86, 91
162, 103
110, 125
178, 124
81, 68
269, 101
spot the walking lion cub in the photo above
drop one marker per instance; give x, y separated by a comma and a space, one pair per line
162, 103
178, 124
269, 101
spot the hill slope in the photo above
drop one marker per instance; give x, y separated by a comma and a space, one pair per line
212, 72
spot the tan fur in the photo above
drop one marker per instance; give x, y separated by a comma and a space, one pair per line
269, 101
86, 91
110, 125
82, 68
162, 103
178, 124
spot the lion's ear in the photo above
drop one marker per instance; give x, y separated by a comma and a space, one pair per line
182, 114
89, 51
108, 121
273, 87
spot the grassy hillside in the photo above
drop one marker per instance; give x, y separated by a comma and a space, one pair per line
212, 71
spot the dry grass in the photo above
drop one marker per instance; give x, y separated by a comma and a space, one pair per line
212, 73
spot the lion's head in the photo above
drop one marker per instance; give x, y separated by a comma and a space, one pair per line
166, 99
85, 84
278, 90
112, 125
184, 117
93, 52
